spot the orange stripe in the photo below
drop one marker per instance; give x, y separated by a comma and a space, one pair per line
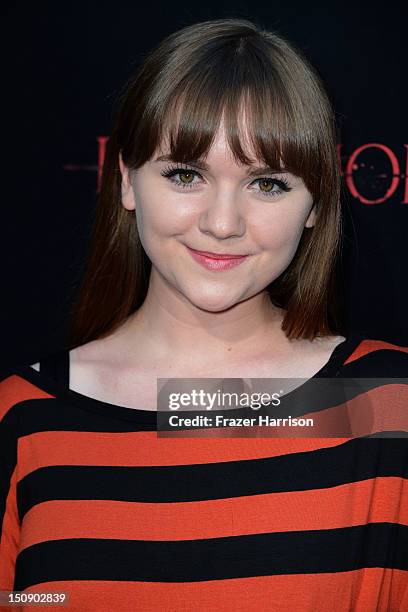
10, 536
48, 448
362, 590
368, 346
14, 389
374, 500
380, 409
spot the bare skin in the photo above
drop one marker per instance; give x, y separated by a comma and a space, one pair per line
97, 372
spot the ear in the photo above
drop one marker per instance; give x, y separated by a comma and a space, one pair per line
311, 220
128, 197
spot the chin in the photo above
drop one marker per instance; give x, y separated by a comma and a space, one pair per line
212, 305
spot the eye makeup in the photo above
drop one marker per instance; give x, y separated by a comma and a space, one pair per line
171, 171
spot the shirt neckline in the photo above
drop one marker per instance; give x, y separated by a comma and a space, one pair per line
48, 384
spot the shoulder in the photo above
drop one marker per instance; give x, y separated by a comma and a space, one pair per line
18, 387
377, 357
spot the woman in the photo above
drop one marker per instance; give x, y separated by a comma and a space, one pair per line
214, 255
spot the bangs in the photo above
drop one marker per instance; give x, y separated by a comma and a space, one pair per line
264, 116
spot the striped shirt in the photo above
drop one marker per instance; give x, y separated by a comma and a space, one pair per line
94, 504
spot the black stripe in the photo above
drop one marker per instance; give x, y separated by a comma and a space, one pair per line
396, 433
355, 460
56, 414
50, 414
317, 551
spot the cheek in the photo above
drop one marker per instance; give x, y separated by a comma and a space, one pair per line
163, 216
277, 243
278, 233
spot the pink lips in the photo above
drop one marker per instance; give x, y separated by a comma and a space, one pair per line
216, 262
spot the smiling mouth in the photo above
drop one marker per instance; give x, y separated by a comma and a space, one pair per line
215, 261
217, 255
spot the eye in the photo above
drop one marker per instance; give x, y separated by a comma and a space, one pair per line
187, 173
281, 184
268, 186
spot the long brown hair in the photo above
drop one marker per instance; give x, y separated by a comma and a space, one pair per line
198, 74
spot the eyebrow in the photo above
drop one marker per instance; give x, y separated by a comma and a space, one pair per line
201, 165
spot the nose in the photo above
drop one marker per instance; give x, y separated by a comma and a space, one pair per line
222, 216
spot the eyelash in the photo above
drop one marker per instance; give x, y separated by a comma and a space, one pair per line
171, 171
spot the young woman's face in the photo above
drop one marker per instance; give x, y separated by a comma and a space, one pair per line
214, 206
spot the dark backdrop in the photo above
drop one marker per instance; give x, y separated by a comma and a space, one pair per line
63, 66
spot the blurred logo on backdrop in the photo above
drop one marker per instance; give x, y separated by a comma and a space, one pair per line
373, 172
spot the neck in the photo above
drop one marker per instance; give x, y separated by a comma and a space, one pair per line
168, 324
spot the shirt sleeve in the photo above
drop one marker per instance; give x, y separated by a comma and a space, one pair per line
9, 520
